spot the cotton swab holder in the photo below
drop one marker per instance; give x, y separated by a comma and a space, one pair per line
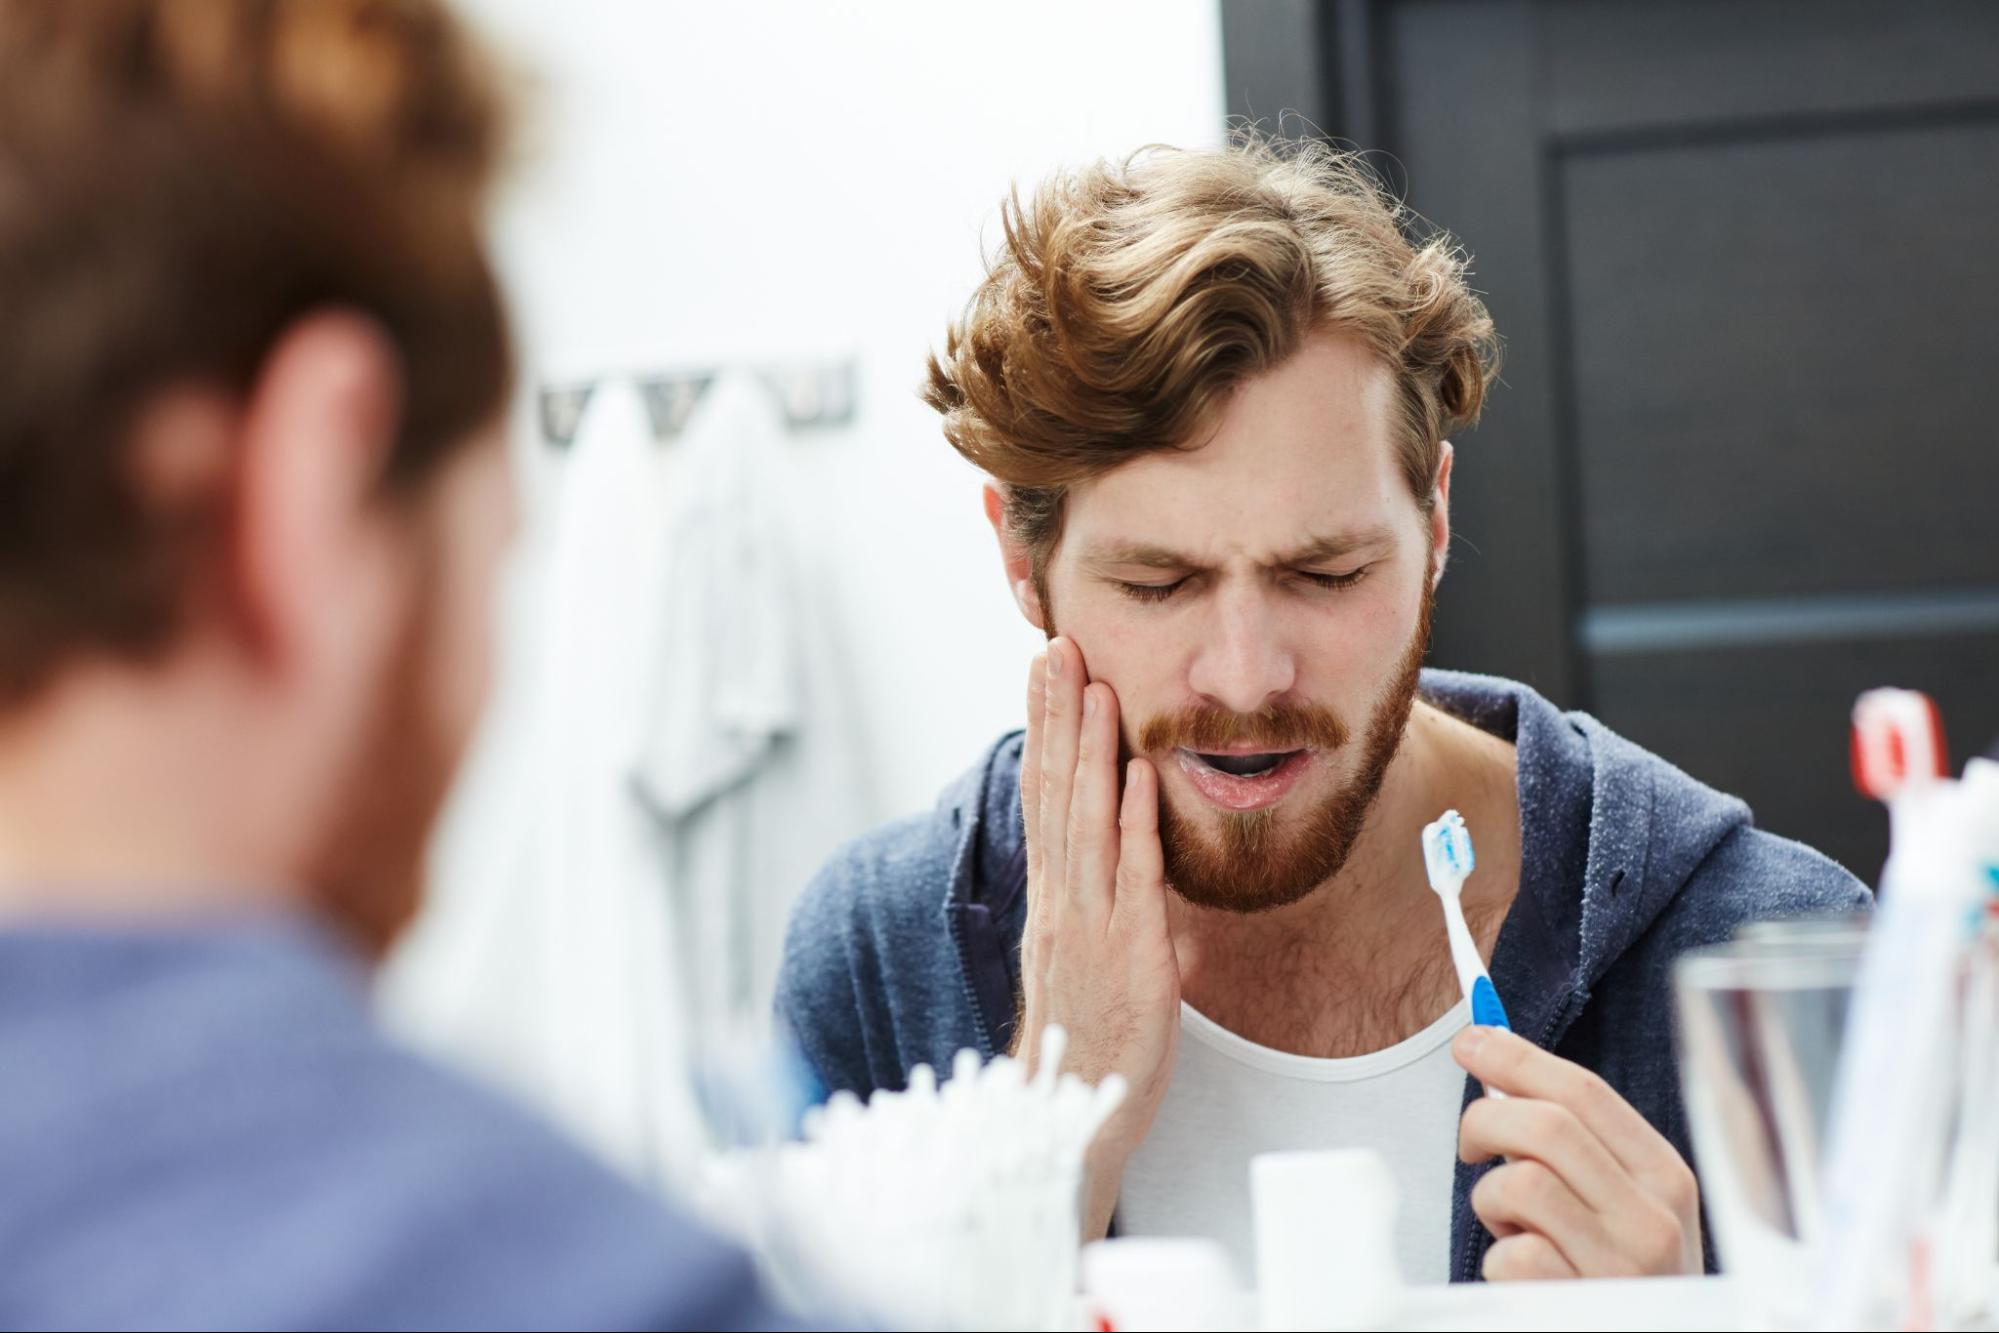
952, 1206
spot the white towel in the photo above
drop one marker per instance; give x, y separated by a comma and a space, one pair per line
674, 749
545, 958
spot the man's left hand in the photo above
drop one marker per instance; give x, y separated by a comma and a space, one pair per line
1588, 1187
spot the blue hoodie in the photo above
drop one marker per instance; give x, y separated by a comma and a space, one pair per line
906, 947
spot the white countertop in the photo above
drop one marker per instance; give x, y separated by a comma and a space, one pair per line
1586, 1307
1622, 1303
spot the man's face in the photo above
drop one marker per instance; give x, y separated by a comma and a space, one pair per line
1261, 607
433, 687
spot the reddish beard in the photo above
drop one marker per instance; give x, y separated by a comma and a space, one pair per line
1256, 864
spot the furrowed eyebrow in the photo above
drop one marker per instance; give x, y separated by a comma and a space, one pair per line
1339, 545
1141, 555
1124, 555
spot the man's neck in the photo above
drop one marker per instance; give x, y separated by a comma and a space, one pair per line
118, 800
1362, 961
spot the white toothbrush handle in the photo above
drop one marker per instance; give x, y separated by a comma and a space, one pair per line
1464, 957
1464, 953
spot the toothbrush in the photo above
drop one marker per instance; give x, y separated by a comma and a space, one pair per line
1891, 1103
1447, 856
1966, 1229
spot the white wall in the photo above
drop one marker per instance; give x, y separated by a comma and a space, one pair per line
758, 180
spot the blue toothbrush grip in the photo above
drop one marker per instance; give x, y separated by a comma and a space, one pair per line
1486, 1010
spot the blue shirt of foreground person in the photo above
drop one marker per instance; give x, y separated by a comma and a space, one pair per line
252, 499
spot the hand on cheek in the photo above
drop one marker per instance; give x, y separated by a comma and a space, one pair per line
1587, 1188
1096, 956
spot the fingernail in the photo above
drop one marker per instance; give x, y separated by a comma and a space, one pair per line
1089, 705
1470, 1040
1054, 663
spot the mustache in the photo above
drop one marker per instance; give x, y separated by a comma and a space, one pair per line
1275, 726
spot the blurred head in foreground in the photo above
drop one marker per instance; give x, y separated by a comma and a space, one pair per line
252, 487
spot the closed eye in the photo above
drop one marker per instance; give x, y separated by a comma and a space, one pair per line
1149, 592
1334, 581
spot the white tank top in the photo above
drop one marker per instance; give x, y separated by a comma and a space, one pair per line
1231, 1099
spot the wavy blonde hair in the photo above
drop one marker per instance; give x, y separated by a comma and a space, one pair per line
1130, 298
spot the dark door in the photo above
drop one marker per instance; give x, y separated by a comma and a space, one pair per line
1745, 256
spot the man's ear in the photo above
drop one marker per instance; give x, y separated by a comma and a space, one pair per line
1019, 564
1440, 515
317, 430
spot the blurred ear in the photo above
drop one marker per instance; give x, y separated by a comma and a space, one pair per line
1019, 564
1440, 515
316, 432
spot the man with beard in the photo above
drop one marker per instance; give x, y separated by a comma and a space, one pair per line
1212, 391
253, 493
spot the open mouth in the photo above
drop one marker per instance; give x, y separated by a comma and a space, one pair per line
1246, 765
1244, 781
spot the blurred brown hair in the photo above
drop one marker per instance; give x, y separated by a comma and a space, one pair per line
1131, 297
179, 181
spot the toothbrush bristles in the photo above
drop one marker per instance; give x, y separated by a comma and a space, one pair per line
1447, 852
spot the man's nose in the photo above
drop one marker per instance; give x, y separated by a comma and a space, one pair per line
1243, 662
